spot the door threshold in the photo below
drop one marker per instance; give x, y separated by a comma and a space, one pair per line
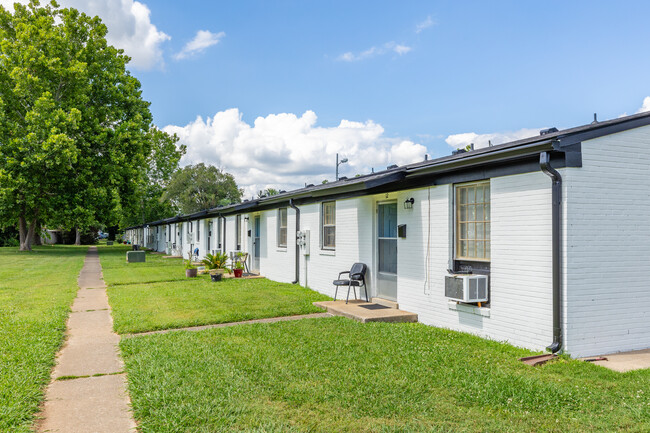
385, 302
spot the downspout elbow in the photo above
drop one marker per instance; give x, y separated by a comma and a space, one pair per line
295, 208
556, 216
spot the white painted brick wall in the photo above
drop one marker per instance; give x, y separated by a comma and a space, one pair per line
520, 285
608, 245
276, 263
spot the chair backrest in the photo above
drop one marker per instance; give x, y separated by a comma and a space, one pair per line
358, 272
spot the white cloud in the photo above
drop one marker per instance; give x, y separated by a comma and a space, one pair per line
388, 47
401, 49
286, 151
203, 40
482, 140
645, 106
424, 24
129, 27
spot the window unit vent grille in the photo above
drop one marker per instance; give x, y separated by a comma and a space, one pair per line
467, 288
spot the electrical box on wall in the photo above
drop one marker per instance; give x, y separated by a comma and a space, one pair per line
401, 230
302, 239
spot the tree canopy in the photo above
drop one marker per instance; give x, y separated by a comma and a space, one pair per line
197, 187
76, 143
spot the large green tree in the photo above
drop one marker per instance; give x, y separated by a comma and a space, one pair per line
198, 187
161, 164
75, 138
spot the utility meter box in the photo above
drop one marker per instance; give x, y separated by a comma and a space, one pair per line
135, 256
302, 239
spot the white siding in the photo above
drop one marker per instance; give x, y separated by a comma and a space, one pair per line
276, 263
607, 241
520, 310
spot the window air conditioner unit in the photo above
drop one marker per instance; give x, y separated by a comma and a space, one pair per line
467, 288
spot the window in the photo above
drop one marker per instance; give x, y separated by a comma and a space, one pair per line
473, 221
282, 227
238, 231
328, 222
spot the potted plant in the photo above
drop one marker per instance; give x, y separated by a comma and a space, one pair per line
238, 269
190, 269
216, 265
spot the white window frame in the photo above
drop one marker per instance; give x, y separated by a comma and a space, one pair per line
280, 227
486, 221
323, 226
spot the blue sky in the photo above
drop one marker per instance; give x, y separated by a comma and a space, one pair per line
271, 90
482, 67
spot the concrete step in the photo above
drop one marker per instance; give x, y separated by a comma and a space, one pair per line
354, 310
385, 303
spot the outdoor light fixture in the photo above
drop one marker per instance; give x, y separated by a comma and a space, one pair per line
343, 161
408, 203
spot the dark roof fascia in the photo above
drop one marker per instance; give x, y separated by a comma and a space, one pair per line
595, 130
471, 160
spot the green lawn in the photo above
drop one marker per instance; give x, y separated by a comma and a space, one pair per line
36, 291
334, 374
170, 300
117, 272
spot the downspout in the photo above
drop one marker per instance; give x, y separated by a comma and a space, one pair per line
223, 241
294, 207
556, 217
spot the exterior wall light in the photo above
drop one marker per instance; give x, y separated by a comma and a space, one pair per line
408, 203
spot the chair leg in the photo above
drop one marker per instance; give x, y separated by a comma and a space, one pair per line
336, 291
348, 296
366, 289
354, 290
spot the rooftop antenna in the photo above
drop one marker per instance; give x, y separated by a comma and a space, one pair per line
595, 119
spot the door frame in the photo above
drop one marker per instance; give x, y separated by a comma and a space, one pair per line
388, 199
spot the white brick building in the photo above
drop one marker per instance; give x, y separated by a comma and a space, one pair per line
489, 212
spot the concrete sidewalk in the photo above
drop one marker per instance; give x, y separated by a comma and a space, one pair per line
88, 404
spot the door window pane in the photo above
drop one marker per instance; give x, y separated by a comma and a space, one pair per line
387, 255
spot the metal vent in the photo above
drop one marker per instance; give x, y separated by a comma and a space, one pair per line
548, 131
453, 287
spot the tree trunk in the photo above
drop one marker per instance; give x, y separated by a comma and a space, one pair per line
36, 239
22, 229
77, 239
26, 233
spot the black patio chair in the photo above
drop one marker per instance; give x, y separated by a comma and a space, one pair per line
356, 279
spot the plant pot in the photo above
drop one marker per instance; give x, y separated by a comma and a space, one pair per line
190, 273
238, 273
216, 277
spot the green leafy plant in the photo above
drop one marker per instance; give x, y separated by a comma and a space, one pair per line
188, 262
215, 261
239, 265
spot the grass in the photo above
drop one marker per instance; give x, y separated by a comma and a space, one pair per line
333, 374
36, 291
156, 269
170, 300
